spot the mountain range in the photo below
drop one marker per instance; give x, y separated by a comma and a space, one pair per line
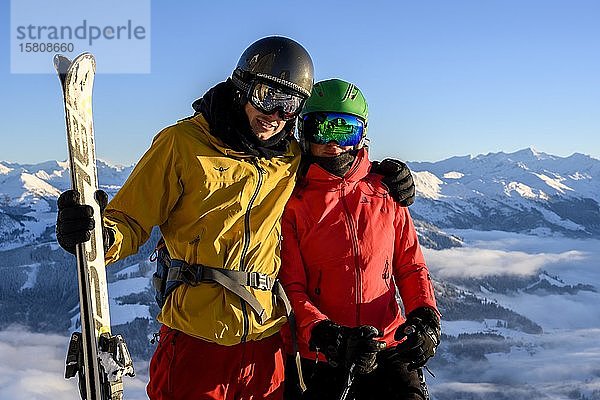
526, 191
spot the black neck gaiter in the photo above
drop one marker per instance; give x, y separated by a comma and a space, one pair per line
338, 165
223, 109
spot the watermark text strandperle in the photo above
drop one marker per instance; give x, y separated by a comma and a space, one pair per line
81, 32
117, 32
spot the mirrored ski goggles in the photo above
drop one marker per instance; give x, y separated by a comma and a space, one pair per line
268, 99
343, 129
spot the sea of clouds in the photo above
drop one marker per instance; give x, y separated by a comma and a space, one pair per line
562, 362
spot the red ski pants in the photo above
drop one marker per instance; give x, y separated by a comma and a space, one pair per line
184, 367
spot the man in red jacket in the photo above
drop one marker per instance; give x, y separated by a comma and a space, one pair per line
348, 248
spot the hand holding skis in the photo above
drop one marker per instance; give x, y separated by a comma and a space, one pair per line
75, 221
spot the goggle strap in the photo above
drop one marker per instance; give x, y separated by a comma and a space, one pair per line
284, 83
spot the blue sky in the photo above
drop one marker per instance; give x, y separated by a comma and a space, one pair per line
442, 78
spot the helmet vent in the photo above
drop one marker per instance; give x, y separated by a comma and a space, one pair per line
351, 93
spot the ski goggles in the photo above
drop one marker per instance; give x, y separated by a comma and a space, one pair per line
268, 99
343, 129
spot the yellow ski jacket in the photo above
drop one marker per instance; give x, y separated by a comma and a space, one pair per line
215, 207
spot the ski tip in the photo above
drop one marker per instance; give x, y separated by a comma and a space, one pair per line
61, 63
86, 57
85, 54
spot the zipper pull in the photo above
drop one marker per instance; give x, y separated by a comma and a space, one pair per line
260, 169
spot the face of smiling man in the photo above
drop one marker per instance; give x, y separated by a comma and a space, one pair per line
264, 126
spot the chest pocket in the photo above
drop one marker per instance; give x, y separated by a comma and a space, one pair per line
220, 194
223, 169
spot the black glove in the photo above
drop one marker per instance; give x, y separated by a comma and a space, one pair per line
422, 332
361, 349
346, 346
398, 179
75, 222
330, 339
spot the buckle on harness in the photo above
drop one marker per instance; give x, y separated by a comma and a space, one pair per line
259, 281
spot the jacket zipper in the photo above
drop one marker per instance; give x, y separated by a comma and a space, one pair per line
247, 233
355, 250
247, 215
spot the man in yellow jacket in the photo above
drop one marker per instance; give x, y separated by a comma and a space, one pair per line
216, 184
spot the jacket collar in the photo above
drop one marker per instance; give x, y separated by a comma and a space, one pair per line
221, 147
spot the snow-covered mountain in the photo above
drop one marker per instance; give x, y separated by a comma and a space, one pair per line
525, 191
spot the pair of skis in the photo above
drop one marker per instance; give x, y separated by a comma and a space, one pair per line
98, 358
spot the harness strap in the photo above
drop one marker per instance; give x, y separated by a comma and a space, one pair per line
280, 294
234, 281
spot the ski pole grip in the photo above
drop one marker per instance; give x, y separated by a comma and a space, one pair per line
405, 332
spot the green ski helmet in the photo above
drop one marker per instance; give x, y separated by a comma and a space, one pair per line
276, 59
335, 96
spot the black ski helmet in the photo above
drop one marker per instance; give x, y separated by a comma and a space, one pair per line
277, 59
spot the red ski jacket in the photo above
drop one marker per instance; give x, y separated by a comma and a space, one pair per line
345, 243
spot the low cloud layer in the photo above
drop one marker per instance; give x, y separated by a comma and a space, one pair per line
473, 263
552, 365
493, 253
32, 368
564, 361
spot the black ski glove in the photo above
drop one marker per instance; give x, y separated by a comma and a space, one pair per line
422, 332
398, 179
75, 222
346, 346
361, 349
329, 338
